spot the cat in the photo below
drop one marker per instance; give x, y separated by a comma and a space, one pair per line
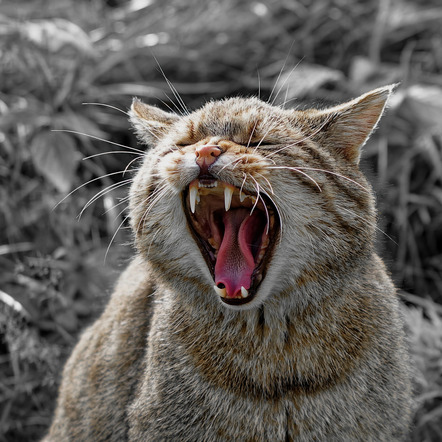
257, 308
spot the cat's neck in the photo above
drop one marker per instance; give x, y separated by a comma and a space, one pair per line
310, 292
279, 346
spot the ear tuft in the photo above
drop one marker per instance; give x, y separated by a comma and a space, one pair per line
150, 122
345, 128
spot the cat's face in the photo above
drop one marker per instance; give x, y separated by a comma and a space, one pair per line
242, 202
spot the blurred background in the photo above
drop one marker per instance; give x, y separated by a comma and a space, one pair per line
68, 72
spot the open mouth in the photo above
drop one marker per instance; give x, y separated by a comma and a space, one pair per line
236, 233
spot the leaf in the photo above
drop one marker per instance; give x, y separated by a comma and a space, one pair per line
67, 319
55, 156
56, 33
305, 79
76, 121
425, 104
365, 74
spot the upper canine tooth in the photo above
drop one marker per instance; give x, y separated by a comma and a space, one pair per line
228, 192
244, 292
193, 198
220, 292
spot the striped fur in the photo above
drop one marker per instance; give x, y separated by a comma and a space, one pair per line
318, 354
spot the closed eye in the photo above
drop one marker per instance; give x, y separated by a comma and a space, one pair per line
256, 143
184, 143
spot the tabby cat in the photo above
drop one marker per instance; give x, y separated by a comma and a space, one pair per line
257, 308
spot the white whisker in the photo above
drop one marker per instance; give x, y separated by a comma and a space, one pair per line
257, 192
173, 89
303, 139
280, 72
369, 223
177, 109
278, 211
286, 79
238, 161
288, 101
103, 192
263, 137
268, 182
122, 201
267, 215
264, 204
151, 200
151, 204
109, 106
113, 236
336, 174
235, 160
110, 153
151, 242
147, 128
168, 107
243, 182
251, 134
128, 165
296, 169
88, 182
98, 138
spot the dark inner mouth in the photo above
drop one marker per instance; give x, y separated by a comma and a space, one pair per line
236, 234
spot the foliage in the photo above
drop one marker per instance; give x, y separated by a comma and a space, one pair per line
424, 326
58, 55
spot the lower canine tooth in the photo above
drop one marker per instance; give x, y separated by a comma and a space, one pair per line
244, 292
220, 292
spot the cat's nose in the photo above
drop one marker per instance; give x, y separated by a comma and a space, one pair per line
206, 156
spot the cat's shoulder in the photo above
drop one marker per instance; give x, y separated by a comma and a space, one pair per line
125, 320
135, 283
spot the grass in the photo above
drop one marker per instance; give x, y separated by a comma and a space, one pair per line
58, 55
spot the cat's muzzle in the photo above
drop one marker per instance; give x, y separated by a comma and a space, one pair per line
236, 233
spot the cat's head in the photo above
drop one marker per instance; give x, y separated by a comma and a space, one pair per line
242, 203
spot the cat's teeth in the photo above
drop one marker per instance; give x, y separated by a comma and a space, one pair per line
244, 292
263, 248
228, 192
220, 292
194, 198
213, 243
243, 196
208, 185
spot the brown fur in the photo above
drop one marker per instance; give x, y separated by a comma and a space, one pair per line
318, 354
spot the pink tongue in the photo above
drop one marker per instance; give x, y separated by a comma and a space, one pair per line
235, 262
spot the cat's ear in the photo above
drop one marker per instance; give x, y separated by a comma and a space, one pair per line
345, 128
150, 122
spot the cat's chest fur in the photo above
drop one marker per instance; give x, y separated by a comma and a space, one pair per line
224, 377
257, 308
